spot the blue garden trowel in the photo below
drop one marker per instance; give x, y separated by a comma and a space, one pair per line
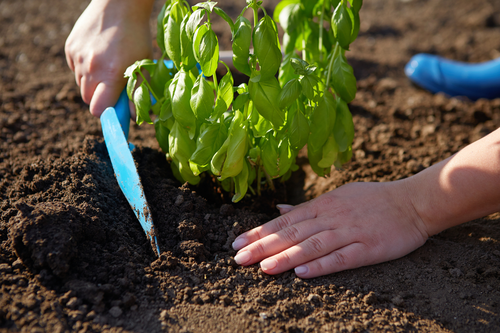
115, 127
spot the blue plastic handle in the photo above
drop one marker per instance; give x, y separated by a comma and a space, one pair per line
455, 78
122, 110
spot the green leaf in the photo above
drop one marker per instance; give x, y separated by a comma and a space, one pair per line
181, 147
254, 154
270, 156
342, 25
286, 157
187, 53
208, 5
280, 6
237, 148
161, 133
314, 158
356, 26
266, 47
330, 153
142, 103
202, 98
219, 109
208, 53
322, 122
241, 183
344, 126
160, 35
309, 85
225, 17
289, 41
344, 157
173, 37
156, 107
160, 76
131, 83
166, 117
260, 125
180, 93
209, 142
343, 80
193, 22
356, 5
217, 161
264, 95
240, 101
299, 130
241, 45
299, 66
289, 94
226, 88
198, 35
291, 17
287, 72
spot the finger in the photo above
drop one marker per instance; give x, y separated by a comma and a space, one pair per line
307, 212
283, 208
87, 88
286, 238
105, 95
78, 79
316, 246
69, 61
349, 257
78, 76
133, 114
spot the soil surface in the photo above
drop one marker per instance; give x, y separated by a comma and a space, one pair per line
74, 258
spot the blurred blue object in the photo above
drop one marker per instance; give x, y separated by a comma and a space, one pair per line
455, 78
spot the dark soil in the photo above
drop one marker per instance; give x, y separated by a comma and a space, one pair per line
74, 258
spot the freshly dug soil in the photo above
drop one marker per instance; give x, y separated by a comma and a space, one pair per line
74, 258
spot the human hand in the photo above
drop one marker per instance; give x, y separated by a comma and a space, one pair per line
355, 225
109, 36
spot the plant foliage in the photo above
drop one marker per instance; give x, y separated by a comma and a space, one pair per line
297, 92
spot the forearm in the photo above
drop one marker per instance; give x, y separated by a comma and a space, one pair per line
461, 188
139, 10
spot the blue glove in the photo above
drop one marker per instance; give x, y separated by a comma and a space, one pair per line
454, 78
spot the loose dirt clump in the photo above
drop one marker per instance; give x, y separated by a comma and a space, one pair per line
74, 258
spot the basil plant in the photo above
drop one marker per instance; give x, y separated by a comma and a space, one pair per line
248, 135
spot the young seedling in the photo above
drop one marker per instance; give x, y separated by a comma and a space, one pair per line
297, 93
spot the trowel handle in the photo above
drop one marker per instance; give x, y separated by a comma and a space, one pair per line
123, 112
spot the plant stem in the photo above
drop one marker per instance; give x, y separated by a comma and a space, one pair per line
149, 87
216, 84
259, 176
304, 54
251, 190
269, 181
255, 13
321, 28
330, 66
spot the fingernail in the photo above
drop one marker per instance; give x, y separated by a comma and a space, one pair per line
243, 257
283, 206
268, 264
301, 270
239, 243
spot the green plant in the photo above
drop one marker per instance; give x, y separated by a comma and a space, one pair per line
289, 101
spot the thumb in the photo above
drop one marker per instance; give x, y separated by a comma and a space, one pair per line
105, 95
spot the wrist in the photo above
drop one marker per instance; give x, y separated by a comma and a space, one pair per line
460, 188
403, 196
